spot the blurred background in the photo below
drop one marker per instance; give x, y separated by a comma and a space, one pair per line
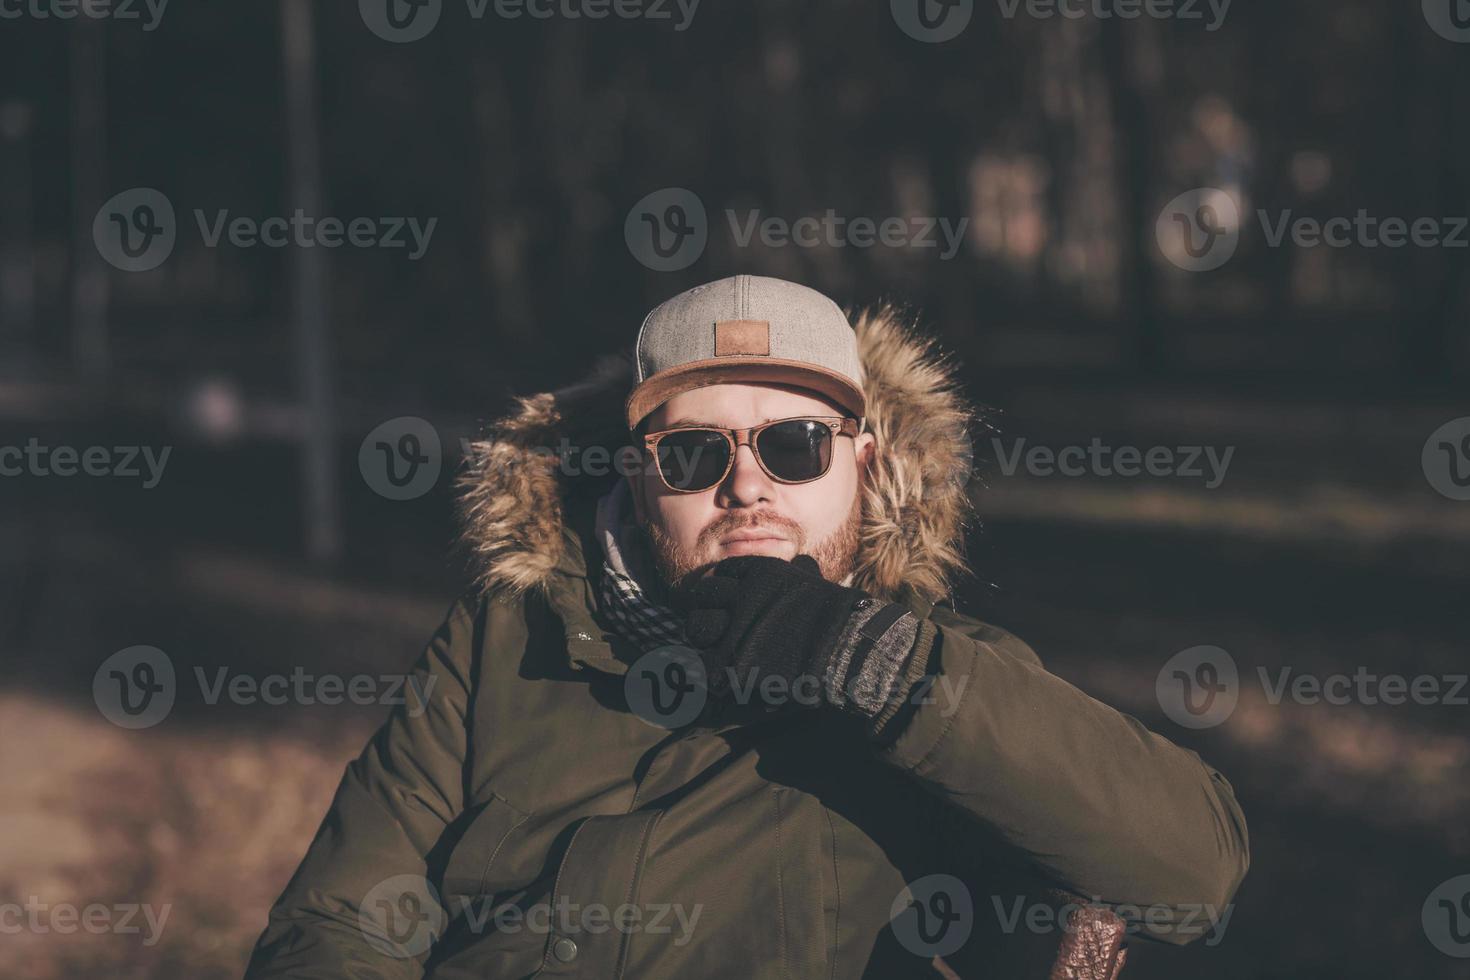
1128, 264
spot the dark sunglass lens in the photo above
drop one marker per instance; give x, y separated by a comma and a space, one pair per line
796, 450
694, 459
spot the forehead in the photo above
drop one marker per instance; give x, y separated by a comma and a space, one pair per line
740, 404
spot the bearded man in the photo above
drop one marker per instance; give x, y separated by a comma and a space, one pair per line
710, 712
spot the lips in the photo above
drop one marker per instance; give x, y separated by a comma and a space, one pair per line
752, 535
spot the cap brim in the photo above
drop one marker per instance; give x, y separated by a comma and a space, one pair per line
722, 370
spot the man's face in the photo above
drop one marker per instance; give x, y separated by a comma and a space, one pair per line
748, 513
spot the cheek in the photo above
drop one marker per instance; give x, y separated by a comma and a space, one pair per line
682, 516
824, 505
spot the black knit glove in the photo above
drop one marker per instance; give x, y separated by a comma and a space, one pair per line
754, 618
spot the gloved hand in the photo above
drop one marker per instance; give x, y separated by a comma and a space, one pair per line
758, 617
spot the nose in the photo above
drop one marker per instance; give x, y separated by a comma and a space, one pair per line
746, 484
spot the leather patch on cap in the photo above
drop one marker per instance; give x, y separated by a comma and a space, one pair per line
742, 337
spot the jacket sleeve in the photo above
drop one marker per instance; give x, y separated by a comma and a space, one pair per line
359, 904
1094, 800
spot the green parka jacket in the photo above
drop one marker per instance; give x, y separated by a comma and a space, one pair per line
527, 823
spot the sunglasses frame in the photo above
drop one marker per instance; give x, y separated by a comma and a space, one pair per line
735, 438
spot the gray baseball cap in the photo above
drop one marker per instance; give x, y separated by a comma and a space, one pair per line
746, 328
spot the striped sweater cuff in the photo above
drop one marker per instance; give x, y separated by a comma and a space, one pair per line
871, 655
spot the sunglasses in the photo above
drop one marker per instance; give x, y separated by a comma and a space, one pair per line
797, 450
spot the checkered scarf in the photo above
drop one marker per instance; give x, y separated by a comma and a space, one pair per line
624, 600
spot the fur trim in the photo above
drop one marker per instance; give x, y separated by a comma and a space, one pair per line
513, 500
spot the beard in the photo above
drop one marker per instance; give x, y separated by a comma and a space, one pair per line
835, 554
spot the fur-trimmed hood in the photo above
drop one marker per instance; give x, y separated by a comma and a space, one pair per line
523, 514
